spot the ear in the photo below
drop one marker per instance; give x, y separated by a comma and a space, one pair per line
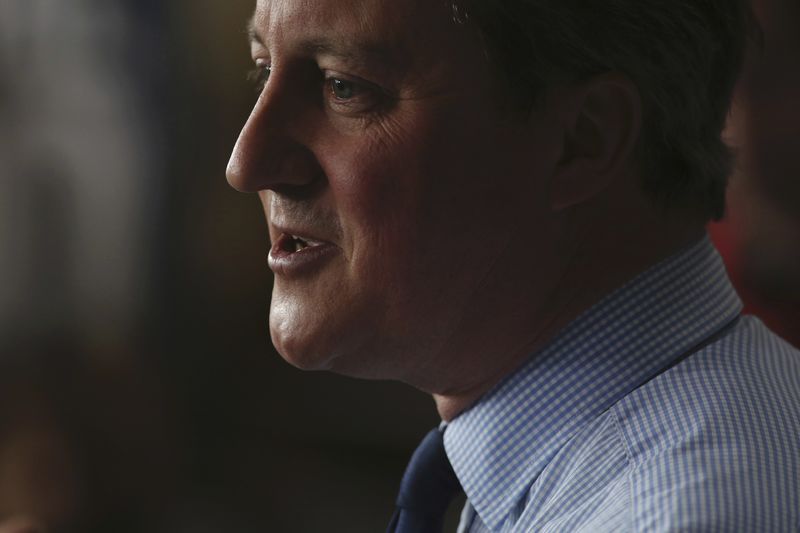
603, 120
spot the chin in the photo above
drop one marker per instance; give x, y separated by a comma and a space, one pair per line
319, 332
335, 353
298, 352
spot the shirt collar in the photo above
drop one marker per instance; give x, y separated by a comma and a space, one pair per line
500, 446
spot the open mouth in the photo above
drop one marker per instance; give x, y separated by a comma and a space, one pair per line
290, 244
293, 255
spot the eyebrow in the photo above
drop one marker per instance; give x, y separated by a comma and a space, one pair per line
252, 32
360, 52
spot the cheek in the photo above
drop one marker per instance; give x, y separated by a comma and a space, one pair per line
376, 186
421, 193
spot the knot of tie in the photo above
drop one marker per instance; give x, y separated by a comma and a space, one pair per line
428, 486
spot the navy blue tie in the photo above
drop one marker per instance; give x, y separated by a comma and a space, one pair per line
426, 490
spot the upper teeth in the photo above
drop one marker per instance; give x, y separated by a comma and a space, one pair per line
299, 243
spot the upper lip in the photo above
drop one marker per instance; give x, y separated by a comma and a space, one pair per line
295, 231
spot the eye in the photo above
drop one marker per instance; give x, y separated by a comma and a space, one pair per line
343, 89
259, 76
354, 97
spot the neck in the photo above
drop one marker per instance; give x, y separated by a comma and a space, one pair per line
603, 258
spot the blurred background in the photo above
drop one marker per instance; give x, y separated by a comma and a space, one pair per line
138, 388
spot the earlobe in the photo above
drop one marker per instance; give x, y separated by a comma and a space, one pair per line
603, 120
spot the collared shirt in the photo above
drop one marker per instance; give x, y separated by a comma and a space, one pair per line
632, 420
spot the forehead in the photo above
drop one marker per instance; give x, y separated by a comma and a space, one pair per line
399, 27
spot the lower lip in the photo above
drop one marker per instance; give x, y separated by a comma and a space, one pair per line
303, 262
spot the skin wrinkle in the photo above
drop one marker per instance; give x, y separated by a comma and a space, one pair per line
450, 262
391, 60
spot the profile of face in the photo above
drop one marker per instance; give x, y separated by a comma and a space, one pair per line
403, 201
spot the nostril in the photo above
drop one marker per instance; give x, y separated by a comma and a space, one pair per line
299, 193
291, 171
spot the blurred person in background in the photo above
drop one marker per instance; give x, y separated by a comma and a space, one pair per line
760, 238
85, 444
503, 205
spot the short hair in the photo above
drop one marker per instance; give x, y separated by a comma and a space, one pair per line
684, 56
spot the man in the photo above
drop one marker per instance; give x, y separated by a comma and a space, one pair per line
503, 204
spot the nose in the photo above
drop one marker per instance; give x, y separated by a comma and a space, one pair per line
269, 153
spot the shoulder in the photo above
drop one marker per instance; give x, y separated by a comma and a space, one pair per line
712, 443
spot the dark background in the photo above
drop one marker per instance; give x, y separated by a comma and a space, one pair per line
138, 387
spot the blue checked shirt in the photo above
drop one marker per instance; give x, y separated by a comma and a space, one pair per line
655, 410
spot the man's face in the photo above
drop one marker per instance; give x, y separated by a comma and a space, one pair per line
397, 193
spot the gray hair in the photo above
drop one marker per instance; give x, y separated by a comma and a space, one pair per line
683, 55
